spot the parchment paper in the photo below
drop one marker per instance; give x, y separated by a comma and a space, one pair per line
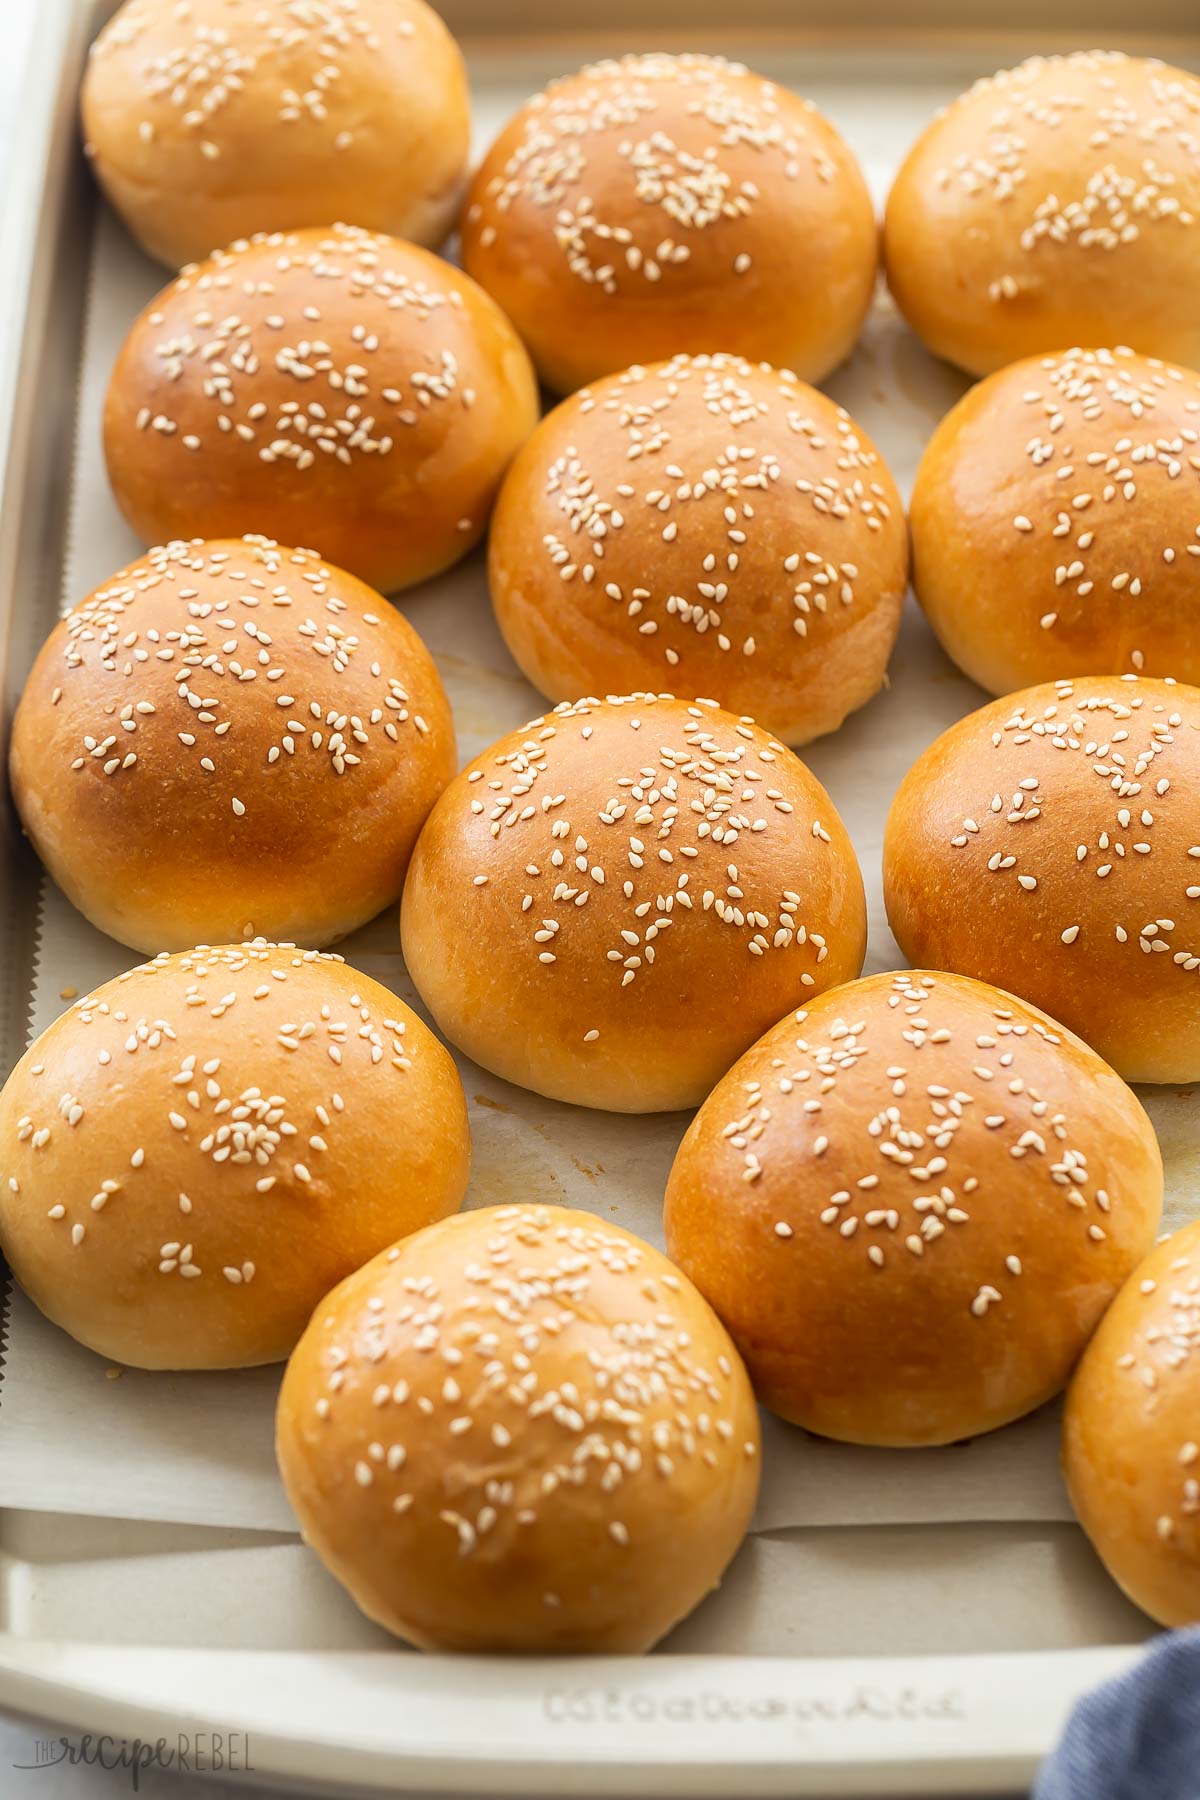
78, 1438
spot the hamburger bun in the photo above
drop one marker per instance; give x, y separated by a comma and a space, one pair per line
520, 1431
1055, 203
1056, 521
193, 1155
1131, 1434
709, 523
655, 204
1050, 843
329, 387
227, 740
910, 1203
212, 120
611, 904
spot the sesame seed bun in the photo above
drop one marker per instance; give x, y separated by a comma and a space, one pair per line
521, 1430
1056, 521
1055, 203
658, 204
230, 739
193, 1155
1068, 819
910, 1203
709, 523
609, 905
208, 121
331, 387
1131, 1434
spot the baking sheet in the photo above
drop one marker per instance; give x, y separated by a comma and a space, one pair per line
77, 1438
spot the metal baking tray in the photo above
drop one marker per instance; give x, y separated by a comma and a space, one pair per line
896, 1661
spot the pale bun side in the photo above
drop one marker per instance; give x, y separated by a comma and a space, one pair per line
230, 739
1056, 521
211, 121
520, 1431
1051, 204
910, 1203
195, 1153
709, 523
609, 905
655, 204
1131, 1434
1050, 843
331, 387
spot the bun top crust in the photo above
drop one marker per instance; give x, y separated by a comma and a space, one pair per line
330, 386
1056, 520
1131, 1441
1072, 813
522, 1430
709, 522
1054, 203
211, 119
910, 1202
230, 736
653, 204
194, 1153
611, 903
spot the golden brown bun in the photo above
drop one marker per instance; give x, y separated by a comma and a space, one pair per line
230, 740
330, 387
1055, 203
521, 1430
659, 204
910, 1203
1131, 1434
1056, 521
709, 523
197, 1152
1050, 842
609, 905
208, 121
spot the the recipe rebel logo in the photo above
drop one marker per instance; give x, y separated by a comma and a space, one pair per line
188, 1753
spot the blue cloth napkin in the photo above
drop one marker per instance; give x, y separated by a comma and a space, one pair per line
1137, 1737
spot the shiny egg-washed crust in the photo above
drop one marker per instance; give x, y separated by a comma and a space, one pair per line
1131, 1434
657, 204
1055, 203
520, 1431
1056, 521
910, 1203
331, 387
208, 121
1050, 843
230, 739
709, 523
195, 1153
609, 905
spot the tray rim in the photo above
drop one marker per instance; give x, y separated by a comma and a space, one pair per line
132, 1691
129, 1692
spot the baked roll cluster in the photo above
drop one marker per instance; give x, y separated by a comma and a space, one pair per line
909, 1208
